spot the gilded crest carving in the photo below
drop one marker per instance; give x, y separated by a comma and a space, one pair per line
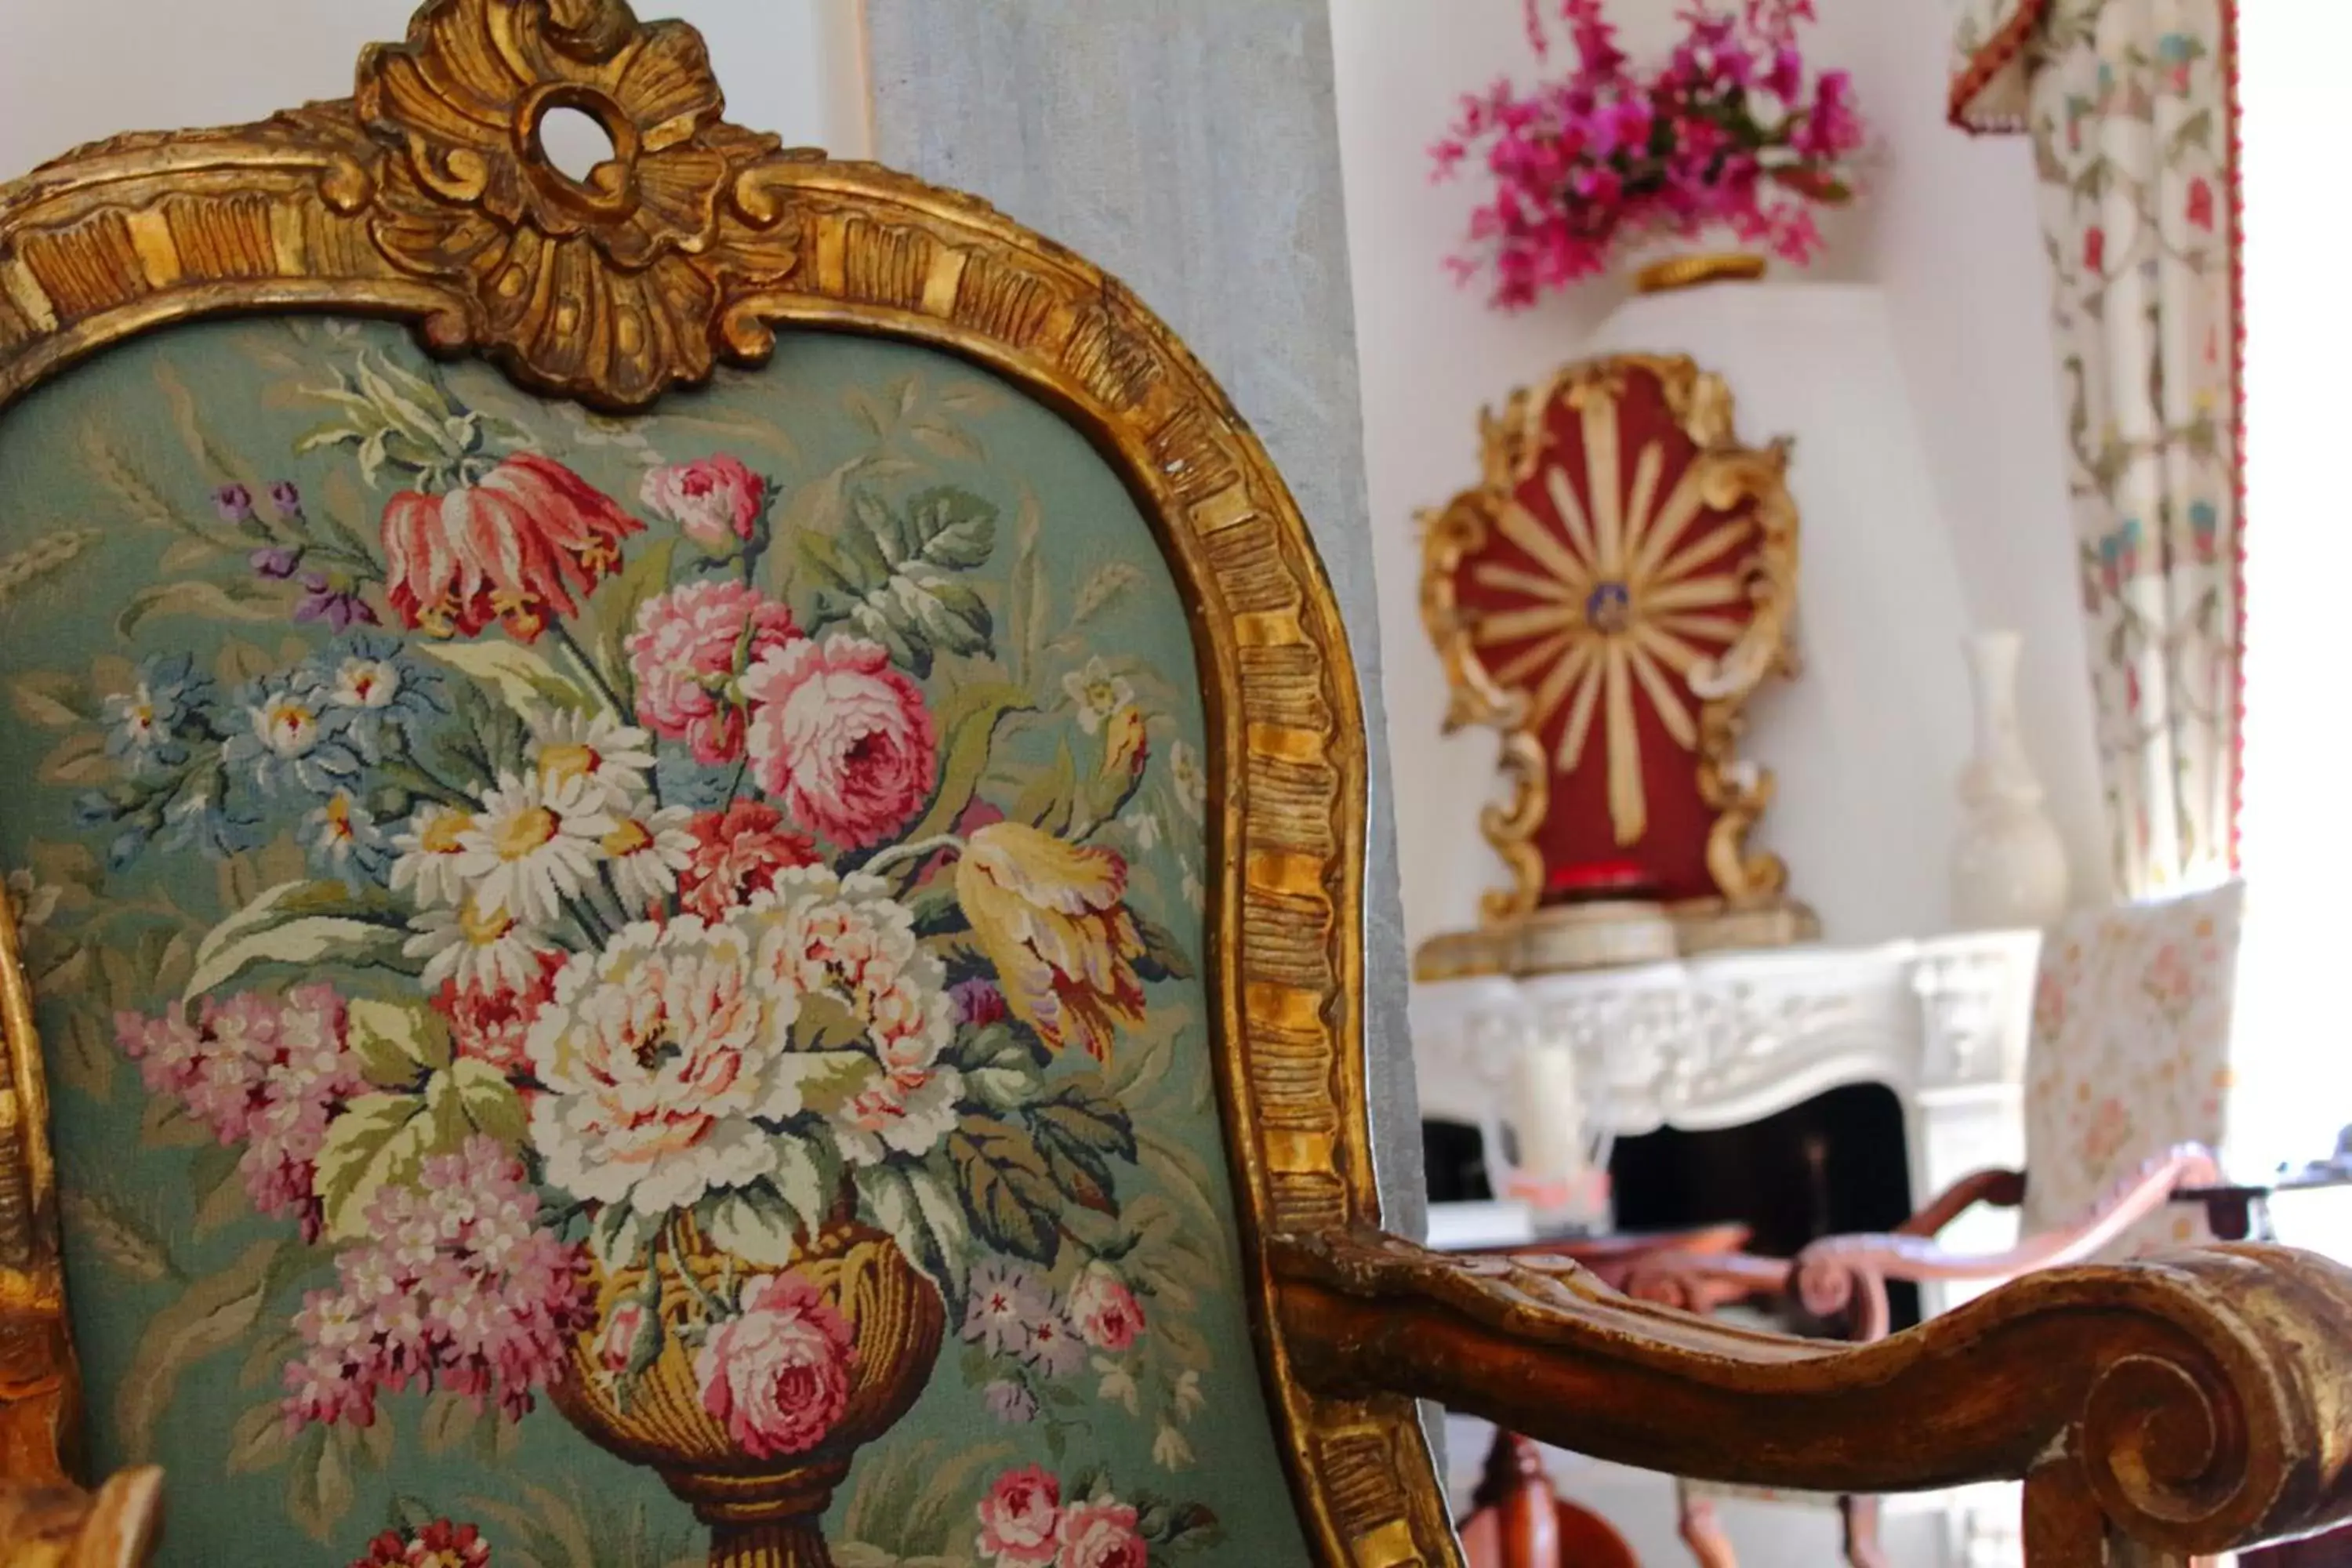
609, 287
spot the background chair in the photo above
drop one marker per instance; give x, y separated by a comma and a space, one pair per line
2128, 1079
691, 851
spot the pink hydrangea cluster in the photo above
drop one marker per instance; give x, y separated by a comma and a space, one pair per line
1729, 133
263, 1071
456, 1288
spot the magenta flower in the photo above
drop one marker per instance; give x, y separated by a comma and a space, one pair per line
1602, 157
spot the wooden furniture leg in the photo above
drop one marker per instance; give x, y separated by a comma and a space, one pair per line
1859, 1516
1696, 1523
1518, 1520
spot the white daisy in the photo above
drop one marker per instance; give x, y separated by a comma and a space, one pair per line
427, 850
617, 759
1191, 779
488, 949
648, 849
535, 842
1097, 693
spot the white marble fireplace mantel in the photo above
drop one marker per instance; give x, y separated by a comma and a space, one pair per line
1728, 1038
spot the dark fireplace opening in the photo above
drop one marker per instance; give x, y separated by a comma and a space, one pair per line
1831, 1166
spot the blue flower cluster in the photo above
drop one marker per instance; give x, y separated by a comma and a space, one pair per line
336, 734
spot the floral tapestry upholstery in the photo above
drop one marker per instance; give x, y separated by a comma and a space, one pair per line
588, 964
2130, 1055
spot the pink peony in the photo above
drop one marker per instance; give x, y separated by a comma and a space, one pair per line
690, 646
1102, 1534
1105, 1311
739, 854
779, 1375
840, 737
517, 548
716, 502
1021, 1519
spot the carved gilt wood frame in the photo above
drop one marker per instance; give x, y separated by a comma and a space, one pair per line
689, 250
1511, 450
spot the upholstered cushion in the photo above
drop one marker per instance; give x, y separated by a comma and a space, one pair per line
572, 950
2129, 1055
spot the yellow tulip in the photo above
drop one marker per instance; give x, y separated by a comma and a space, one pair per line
1051, 918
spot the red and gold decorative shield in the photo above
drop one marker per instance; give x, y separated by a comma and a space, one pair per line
1609, 597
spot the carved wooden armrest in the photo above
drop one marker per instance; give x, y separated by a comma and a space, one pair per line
1917, 1257
2197, 1402
2001, 1189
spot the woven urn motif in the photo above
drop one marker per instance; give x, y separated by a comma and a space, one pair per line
755, 1425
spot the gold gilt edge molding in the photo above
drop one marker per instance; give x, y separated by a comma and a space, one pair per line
334, 208
1511, 448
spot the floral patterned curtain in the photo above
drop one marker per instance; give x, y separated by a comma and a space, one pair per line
2131, 110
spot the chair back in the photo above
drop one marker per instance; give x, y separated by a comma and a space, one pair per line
650, 947
2129, 1055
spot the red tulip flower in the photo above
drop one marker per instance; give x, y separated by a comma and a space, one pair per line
517, 546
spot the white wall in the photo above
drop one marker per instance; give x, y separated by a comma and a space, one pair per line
1947, 232
74, 71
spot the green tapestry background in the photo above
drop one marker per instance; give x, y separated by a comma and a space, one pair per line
260, 814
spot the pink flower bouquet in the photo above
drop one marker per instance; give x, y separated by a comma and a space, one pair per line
1731, 132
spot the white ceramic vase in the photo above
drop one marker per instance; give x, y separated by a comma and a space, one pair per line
2009, 864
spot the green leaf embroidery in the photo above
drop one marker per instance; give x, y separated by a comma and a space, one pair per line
232, 601
1012, 1201
300, 922
756, 1225
52, 699
918, 1211
395, 1042
887, 573
526, 679
210, 1315
379, 1137
967, 724
1163, 957
1051, 797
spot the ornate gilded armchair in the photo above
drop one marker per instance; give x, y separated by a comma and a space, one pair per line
688, 847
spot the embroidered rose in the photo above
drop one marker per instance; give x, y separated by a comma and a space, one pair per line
1102, 1534
525, 545
842, 738
1103, 1309
716, 502
1021, 1519
1053, 920
690, 646
658, 1054
440, 1545
737, 854
777, 1374
616, 1342
490, 1023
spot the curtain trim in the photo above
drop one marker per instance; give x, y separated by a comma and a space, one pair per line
2234, 106
1996, 54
